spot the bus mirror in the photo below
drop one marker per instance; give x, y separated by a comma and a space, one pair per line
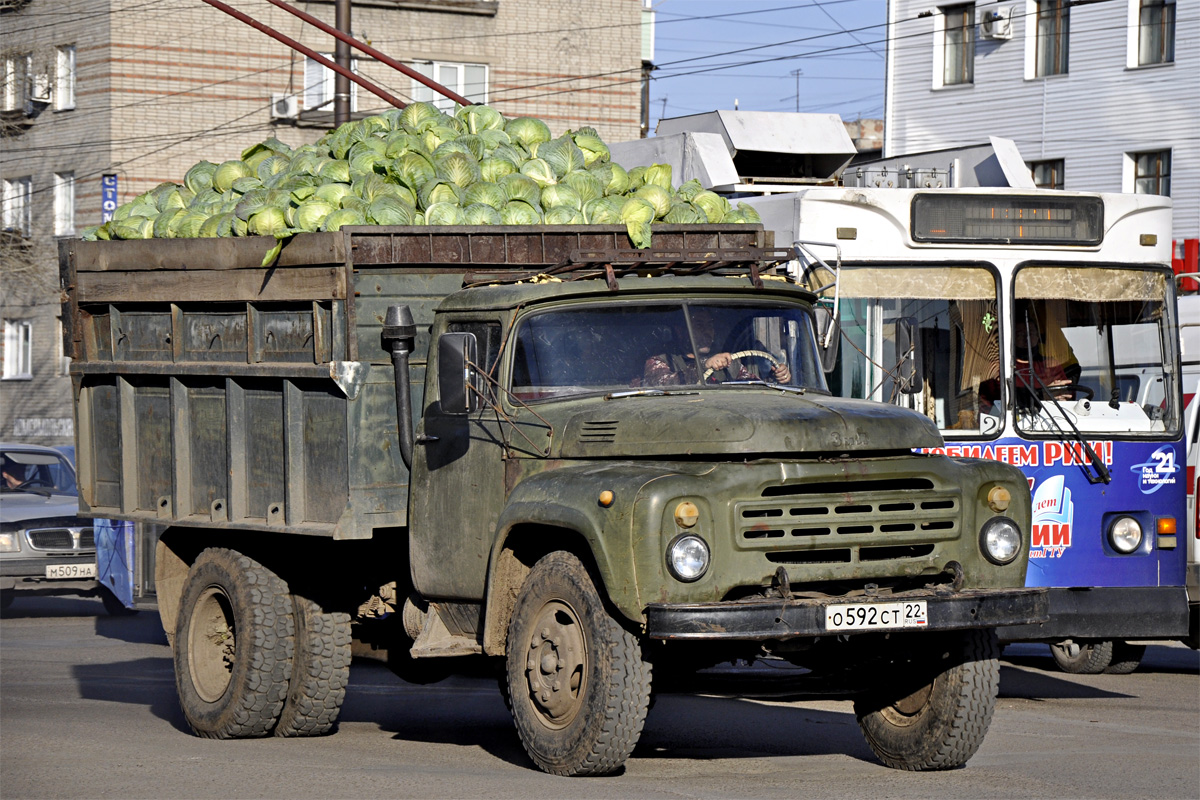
908, 353
829, 333
456, 373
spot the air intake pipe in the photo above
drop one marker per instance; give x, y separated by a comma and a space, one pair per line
399, 338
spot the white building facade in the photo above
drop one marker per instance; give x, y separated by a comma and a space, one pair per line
1099, 96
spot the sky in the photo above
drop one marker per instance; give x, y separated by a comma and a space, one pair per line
769, 55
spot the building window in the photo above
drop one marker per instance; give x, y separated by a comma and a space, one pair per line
1152, 172
64, 203
1156, 32
18, 349
959, 66
1053, 30
468, 80
64, 78
18, 75
18, 205
1047, 174
319, 84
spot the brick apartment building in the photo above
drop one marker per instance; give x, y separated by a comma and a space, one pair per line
143, 89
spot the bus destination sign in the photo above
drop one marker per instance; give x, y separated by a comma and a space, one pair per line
1007, 219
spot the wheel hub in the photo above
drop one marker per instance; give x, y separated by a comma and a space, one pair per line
212, 645
555, 664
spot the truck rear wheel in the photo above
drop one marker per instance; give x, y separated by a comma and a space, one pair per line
320, 670
578, 683
938, 708
1082, 658
233, 646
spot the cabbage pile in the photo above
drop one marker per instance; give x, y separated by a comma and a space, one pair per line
419, 166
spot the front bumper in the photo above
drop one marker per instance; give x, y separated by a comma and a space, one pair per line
1114, 612
760, 620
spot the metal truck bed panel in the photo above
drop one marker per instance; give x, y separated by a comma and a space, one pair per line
215, 392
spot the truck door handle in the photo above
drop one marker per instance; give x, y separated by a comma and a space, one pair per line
423, 439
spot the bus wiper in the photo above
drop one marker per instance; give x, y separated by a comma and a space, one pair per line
1102, 474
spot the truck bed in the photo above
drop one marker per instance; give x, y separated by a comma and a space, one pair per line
217, 393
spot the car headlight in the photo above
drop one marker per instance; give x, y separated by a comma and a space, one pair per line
687, 557
1000, 540
1125, 535
10, 543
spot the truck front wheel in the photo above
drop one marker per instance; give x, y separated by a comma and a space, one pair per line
233, 646
935, 708
578, 683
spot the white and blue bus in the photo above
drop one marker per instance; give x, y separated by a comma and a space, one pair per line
1036, 328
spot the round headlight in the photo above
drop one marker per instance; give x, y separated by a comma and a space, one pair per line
1125, 535
1000, 540
687, 556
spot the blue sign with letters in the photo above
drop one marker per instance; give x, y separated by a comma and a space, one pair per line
1068, 538
108, 197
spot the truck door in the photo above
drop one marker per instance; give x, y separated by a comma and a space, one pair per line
458, 483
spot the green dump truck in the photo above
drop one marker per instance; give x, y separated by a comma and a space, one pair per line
537, 446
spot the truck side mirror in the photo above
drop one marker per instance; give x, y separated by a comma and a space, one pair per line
908, 351
458, 387
829, 334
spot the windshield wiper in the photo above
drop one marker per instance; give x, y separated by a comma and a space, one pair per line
1102, 474
41, 492
759, 382
648, 393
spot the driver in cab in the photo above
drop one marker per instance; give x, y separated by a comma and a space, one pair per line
708, 365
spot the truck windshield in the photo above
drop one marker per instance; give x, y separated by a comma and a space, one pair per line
1101, 335
590, 349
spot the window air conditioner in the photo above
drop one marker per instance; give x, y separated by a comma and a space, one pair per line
285, 106
996, 23
39, 88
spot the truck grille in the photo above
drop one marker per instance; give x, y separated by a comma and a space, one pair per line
842, 522
61, 540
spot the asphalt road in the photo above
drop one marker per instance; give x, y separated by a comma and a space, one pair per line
88, 710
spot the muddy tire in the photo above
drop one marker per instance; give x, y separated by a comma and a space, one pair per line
233, 646
1126, 658
320, 670
1082, 658
578, 683
938, 706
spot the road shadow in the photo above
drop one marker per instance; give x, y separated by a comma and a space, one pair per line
465, 711
1028, 684
143, 627
146, 682
1162, 659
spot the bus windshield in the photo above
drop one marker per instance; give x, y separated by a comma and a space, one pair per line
1093, 347
923, 337
657, 346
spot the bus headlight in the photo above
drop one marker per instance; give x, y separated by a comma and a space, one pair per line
1125, 535
687, 557
1000, 540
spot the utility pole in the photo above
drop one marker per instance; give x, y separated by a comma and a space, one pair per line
341, 57
797, 73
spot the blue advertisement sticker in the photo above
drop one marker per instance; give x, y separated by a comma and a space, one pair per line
1157, 471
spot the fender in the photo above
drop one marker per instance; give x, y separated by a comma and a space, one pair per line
568, 499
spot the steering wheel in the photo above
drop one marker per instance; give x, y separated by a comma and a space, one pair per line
36, 481
742, 354
1074, 388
